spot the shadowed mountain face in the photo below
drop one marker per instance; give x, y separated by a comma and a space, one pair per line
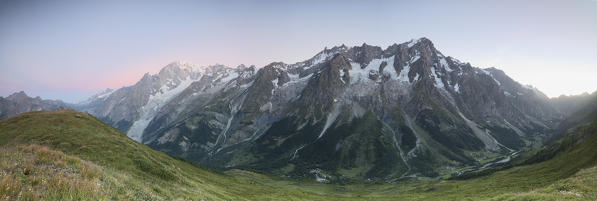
19, 102
347, 113
568, 105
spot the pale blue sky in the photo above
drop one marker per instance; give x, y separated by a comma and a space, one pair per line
72, 49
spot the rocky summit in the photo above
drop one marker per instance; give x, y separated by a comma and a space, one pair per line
348, 113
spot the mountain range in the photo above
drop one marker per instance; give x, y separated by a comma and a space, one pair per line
69, 155
20, 102
347, 113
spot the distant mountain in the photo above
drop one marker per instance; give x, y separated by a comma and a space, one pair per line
585, 112
576, 139
358, 112
568, 105
130, 109
19, 102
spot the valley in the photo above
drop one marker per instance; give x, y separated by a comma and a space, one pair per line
99, 162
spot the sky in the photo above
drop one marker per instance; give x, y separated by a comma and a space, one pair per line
71, 50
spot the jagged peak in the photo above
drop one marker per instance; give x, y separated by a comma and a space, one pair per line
366, 46
179, 63
277, 64
392, 45
337, 49
242, 66
423, 41
177, 66
340, 48
18, 95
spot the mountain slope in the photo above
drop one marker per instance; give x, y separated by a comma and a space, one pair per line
102, 163
125, 106
574, 131
88, 160
337, 116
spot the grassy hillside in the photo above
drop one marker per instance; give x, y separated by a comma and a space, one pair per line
121, 168
67, 155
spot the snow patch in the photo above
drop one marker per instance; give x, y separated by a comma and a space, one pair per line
490, 75
184, 146
508, 94
266, 107
330, 119
319, 176
153, 105
445, 65
359, 74
403, 77
294, 78
438, 81
416, 77
106, 94
296, 152
228, 77
101, 95
412, 42
402, 155
234, 108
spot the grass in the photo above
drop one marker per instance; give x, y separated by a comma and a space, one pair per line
67, 155
34, 172
581, 186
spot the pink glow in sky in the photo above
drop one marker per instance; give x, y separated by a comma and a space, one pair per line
72, 49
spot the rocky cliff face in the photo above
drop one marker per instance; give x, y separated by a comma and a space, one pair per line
19, 102
347, 113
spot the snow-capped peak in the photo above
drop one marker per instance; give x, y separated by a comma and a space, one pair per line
412, 42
